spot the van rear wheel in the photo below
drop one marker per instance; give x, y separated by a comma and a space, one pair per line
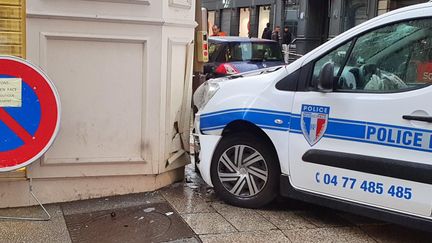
245, 171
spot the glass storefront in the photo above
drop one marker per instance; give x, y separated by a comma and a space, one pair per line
211, 21
244, 25
291, 17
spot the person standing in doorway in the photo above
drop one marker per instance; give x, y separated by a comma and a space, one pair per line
267, 32
217, 32
286, 41
286, 37
276, 35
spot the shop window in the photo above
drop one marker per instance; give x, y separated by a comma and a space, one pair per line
211, 21
244, 25
264, 18
291, 17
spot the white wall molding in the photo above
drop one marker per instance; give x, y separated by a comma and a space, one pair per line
179, 23
92, 37
111, 19
186, 4
43, 62
139, 2
169, 121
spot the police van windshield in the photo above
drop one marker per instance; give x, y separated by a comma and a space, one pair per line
383, 38
392, 58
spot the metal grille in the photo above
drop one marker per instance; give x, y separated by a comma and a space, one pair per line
147, 223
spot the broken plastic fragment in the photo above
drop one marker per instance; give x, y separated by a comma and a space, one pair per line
149, 210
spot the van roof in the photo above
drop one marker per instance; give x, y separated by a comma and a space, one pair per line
237, 39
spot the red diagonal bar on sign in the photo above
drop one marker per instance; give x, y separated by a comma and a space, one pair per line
10, 122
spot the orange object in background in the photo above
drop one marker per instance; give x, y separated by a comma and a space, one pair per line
221, 33
424, 72
217, 31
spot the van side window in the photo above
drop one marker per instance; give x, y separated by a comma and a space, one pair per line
337, 57
393, 58
215, 50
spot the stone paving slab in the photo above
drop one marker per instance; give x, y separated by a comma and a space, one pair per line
106, 203
324, 218
188, 240
208, 223
273, 236
334, 234
396, 234
243, 219
286, 220
187, 200
31, 231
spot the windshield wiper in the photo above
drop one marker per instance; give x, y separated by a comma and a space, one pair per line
270, 70
234, 76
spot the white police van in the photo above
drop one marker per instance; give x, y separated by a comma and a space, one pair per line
348, 126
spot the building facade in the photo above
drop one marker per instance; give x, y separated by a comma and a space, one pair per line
340, 16
243, 17
311, 22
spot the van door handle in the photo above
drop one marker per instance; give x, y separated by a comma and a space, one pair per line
418, 118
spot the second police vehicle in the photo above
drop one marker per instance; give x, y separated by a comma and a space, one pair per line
348, 126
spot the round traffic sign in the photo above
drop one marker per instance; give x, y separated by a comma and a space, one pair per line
29, 113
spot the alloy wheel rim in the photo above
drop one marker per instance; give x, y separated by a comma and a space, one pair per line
243, 171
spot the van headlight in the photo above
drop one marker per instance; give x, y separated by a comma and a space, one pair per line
204, 93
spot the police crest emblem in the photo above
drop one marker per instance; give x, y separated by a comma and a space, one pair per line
314, 121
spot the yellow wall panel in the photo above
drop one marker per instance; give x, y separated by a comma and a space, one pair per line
11, 2
13, 38
12, 27
13, 50
10, 12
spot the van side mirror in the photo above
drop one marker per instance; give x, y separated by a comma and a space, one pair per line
326, 78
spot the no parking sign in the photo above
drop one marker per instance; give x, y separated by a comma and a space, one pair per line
29, 113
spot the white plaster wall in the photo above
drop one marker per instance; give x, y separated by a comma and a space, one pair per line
120, 69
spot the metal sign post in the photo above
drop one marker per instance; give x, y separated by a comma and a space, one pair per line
48, 218
29, 117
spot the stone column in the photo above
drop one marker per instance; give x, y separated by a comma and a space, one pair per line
254, 21
235, 22
218, 17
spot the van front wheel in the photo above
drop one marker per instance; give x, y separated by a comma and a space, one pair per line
245, 171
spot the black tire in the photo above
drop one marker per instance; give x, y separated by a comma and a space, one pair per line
196, 157
263, 191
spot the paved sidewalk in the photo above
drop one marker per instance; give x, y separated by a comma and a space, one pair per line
161, 216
